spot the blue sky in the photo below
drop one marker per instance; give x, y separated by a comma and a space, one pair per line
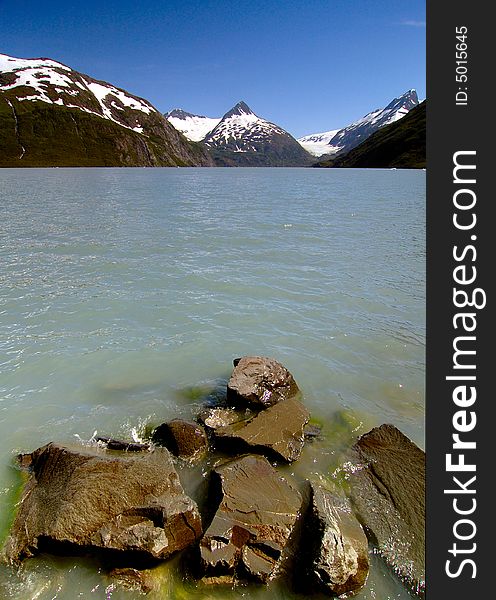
308, 65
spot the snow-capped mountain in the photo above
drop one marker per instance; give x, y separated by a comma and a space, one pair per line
52, 82
399, 145
351, 136
318, 143
75, 115
241, 137
194, 127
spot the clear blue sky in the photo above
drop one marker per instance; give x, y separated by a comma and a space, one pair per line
308, 65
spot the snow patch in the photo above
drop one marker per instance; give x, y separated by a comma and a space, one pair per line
10, 63
102, 91
194, 127
318, 143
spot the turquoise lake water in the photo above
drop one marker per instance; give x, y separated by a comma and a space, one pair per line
125, 294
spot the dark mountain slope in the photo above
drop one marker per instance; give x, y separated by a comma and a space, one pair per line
399, 145
51, 115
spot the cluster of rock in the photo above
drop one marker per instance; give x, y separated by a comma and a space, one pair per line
124, 501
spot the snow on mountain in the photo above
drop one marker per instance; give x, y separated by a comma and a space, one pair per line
351, 136
242, 138
194, 127
241, 130
317, 143
48, 81
52, 115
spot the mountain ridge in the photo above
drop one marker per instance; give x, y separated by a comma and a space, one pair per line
399, 145
52, 115
343, 140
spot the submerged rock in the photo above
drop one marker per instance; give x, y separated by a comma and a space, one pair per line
185, 439
89, 499
134, 580
337, 545
216, 417
257, 511
387, 490
311, 431
260, 382
277, 432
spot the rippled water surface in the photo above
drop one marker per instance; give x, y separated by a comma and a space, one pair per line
126, 293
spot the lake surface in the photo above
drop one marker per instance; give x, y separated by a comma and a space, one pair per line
125, 294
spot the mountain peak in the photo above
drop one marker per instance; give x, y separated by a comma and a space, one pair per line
179, 113
408, 100
241, 108
354, 134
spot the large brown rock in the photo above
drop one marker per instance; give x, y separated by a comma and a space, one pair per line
336, 543
90, 499
387, 489
255, 517
260, 382
277, 432
185, 439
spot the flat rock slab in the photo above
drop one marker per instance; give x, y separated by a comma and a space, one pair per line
132, 504
387, 490
277, 432
338, 546
260, 382
216, 417
185, 439
256, 515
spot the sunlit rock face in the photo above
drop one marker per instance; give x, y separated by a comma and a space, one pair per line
387, 490
257, 512
87, 498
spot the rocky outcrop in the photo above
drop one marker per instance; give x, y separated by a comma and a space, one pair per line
277, 432
257, 511
387, 489
184, 439
89, 499
122, 501
260, 382
335, 544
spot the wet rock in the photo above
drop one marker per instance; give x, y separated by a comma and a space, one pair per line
133, 579
387, 489
257, 511
25, 461
216, 417
185, 439
312, 431
276, 432
113, 444
89, 499
336, 543
260, 382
